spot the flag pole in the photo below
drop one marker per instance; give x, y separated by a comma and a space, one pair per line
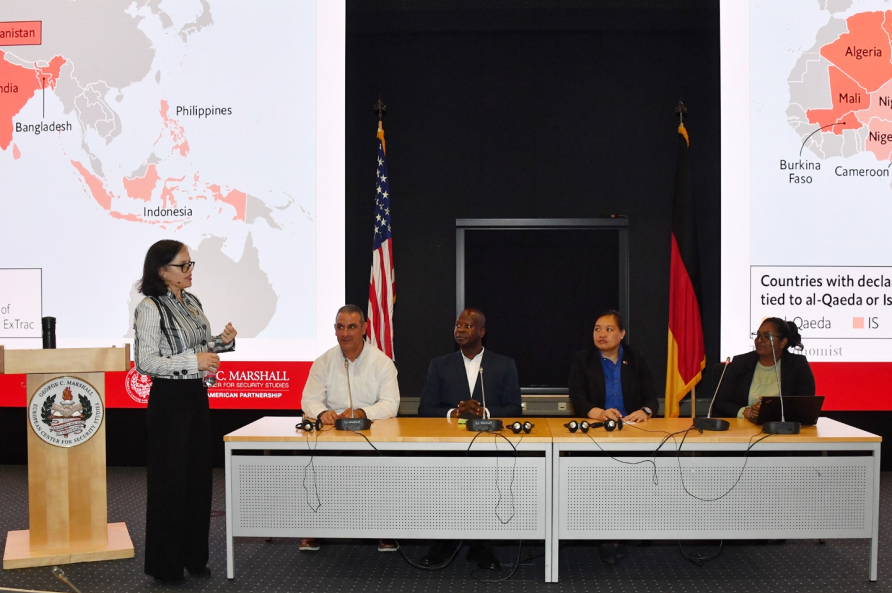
382, 284
381, 108
680, 109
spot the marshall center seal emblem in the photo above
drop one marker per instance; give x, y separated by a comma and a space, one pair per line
65, 412
138, 386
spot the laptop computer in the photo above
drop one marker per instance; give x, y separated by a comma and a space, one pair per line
803, 409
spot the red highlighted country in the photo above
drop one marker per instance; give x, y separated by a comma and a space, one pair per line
880, 105
50, 74
236, 199
172, 193
17, 85
142, 187
21, 32
846, 97
168, 200
102, 197
177, 133
879, 139
864, 52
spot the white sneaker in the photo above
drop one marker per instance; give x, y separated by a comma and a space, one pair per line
309, 544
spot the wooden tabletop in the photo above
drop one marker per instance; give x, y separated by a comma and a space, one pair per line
393, 430
741, 431
443, 430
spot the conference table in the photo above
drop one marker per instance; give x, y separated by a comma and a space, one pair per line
405, 478
823, 483
430, 478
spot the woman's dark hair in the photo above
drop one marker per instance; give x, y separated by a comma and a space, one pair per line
159, 255
788, 330
616, 315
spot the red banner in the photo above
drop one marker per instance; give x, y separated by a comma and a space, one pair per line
853, 386
847, 386
13, 391
240, 385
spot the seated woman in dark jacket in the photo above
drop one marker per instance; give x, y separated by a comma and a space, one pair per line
612, 380
751, 376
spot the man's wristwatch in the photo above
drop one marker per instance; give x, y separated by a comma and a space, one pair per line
648, 411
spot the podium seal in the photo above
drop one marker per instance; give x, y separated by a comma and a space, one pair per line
65, 412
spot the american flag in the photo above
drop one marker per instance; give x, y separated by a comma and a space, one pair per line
382, 288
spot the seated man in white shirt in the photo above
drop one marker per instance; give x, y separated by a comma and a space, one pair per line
372, 382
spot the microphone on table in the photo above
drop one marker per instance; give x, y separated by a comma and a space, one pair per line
782, 427
710, 423
483, 424
351, 423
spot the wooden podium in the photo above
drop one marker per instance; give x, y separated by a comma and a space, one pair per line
67, 495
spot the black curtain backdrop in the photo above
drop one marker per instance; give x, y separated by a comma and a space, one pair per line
515, 109
542, 111
552, 284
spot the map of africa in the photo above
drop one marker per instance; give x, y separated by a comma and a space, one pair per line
123, 122
816, 175
844, 85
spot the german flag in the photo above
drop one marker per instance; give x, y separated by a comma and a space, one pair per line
687, 356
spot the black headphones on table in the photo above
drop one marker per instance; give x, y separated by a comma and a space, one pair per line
609, 425
526, 427
308, 425
573, 426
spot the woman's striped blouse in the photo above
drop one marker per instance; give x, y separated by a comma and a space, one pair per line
169, 334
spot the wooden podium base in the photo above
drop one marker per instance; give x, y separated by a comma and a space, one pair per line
18, 553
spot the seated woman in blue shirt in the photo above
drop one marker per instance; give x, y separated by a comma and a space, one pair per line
612, 381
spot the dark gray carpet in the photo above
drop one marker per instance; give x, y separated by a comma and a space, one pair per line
797, 565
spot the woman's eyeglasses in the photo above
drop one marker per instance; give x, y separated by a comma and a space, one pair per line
185, 267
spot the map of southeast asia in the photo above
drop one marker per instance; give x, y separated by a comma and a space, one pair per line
843, 84
123, 122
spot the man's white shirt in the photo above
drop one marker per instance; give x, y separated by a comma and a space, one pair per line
372, 382
472, 369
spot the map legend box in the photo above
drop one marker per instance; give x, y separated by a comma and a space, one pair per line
842, 312
21, 302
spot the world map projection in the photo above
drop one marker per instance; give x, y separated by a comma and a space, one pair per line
124, 122
807, 186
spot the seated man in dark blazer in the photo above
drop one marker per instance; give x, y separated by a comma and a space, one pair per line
454, 389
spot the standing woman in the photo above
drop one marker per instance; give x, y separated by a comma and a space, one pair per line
173, 345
